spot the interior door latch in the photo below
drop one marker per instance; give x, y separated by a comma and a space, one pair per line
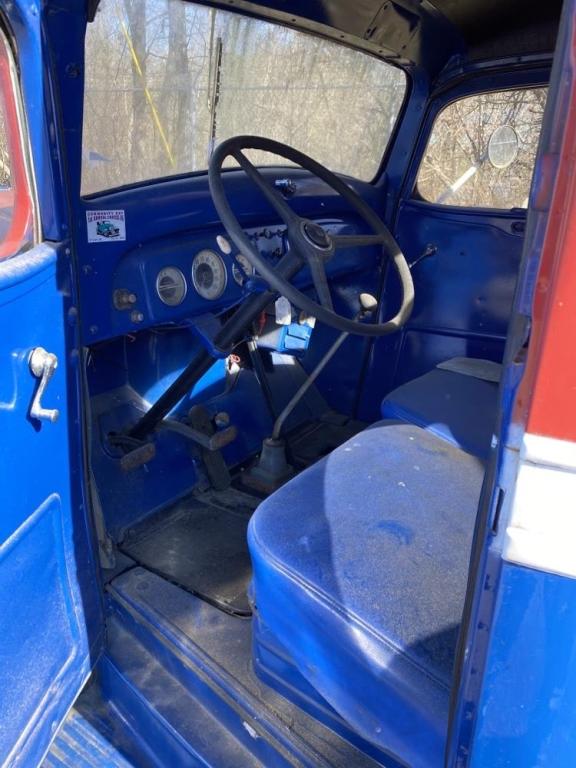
42, 365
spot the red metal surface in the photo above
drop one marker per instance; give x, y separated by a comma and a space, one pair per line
547, 397
21, 222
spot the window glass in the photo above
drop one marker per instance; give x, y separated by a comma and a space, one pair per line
16, 201
166, 80
482, 150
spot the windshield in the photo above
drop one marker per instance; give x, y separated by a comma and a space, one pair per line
166, 80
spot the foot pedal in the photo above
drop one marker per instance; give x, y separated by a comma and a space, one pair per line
131, 452
214, 464
137, 457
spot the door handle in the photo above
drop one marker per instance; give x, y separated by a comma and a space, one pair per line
42, 365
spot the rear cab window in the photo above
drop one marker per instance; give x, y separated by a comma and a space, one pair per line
167, 80
482, 150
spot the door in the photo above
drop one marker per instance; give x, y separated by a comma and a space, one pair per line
49, 605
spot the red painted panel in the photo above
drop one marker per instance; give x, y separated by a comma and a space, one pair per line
547, 397
20, 228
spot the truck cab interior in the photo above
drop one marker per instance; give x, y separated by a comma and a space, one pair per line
297, 233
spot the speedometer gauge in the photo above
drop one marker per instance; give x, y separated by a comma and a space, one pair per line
209, 275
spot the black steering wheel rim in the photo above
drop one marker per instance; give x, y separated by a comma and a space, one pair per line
302, 237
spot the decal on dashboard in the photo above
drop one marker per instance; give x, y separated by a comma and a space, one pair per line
105, 226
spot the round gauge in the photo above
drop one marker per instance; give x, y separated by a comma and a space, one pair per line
209, 275
171, 286
241, 268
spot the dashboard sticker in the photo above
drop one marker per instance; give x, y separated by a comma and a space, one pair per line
105, 226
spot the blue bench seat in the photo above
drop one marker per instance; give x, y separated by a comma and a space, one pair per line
459, 407
360, 571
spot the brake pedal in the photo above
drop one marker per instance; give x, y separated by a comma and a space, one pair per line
137, 457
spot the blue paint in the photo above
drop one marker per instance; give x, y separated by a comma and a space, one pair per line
49, 589
50, 603
484, 621
515, 699
228, 723
364, 587
87, 740
526, 709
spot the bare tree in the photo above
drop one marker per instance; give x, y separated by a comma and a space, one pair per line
150, 106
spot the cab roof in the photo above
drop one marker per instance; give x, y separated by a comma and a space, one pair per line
422, 33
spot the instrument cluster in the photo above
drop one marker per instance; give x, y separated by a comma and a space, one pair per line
172, 280
175, 279
210, 268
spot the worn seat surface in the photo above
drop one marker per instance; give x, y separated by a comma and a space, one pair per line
360, 569
458, 407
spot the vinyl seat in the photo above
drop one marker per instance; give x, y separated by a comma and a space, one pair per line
360, 570
459, 407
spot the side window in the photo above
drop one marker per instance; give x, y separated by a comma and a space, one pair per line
16, 199
482, 150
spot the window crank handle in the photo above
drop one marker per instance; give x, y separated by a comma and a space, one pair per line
42, 365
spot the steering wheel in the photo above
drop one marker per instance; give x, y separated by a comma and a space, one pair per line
308, 240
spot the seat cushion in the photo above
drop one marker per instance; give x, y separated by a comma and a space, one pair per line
360, 570
460, 408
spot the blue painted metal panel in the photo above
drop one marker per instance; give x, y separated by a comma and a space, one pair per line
502, 597
82, 744
49, 604
528, 700
208, 652
219, 725
49, 595
136, 270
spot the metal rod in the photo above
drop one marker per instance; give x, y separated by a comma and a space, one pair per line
261, 377
307, 384
175, 392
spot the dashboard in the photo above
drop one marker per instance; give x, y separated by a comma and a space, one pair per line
176, 278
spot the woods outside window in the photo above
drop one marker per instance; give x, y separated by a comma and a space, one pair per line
167, 80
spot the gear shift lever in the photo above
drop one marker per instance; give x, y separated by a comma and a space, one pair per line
272, 469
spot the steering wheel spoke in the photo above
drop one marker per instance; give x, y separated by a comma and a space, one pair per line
320, 280
351, 241
270, 193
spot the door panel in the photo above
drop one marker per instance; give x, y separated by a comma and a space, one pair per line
49, 597
46, 601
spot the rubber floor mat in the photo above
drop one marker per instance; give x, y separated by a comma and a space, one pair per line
200, 545
317, 439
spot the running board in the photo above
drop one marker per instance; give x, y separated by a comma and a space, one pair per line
95, 738
154, 668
